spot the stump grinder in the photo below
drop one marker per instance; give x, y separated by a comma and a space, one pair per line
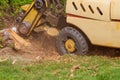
80, 23
38, 16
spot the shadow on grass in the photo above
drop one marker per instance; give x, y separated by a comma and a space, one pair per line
104, 51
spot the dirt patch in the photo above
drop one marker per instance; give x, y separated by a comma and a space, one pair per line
42, 48
104, 51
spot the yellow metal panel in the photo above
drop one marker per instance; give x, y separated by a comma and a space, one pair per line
30, 16
96, 9
99, 32
115, 12
34, 24
25, 7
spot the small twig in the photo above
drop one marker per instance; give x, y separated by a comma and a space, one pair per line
2, 60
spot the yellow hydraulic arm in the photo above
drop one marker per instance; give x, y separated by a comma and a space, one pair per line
32, 16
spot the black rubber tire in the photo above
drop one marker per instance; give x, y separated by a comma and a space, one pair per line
80, 41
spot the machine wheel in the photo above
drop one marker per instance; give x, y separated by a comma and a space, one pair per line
70, 40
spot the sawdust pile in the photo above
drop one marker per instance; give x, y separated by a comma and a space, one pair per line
42, 48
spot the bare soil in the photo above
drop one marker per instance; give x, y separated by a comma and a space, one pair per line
43, 48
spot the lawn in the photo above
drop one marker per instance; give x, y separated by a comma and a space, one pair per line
65, 68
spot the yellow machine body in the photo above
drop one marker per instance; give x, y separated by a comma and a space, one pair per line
25, 7
32, 13
32, 16
99, 20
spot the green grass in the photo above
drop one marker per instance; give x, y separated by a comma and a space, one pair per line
90, 68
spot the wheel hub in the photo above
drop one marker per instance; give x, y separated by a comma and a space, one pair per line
70, 45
